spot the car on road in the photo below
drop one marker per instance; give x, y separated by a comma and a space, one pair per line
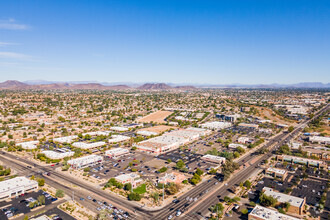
178, 213
176, 201
88, 197
170, 217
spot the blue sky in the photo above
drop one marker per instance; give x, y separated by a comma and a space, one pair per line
179, 41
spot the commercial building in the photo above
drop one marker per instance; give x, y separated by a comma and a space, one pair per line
132, 178
58, 154
244, 140
118, 138
146, 133
263, 213
245, 125
297, 205
170, 140
82, 162
319, 139
28, 145
295, 145
83, 145
301, 160
173, 177
276, 173
323, 153
97, 133
116, 152
234, 146
216, 125
230, 118
214, 159
117, 128
16, 186
67, 139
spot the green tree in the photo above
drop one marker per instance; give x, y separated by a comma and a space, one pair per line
162, 170
180, 164
267, 200
247, 184
41, 182
244, 211
199, 172
128, 186
291, 128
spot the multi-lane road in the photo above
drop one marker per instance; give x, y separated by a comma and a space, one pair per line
207, 191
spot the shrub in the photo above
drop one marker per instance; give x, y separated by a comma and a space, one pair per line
134, 196
59, 193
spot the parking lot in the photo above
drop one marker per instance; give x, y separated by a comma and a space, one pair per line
57, 214
311, 189
112, 167
21, 204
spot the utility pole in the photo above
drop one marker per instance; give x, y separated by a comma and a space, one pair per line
164, 187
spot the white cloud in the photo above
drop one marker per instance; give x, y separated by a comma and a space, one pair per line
11, 24
17, 56
3, 44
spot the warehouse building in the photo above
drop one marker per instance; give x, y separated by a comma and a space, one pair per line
297, 205
116, 152
16, 186
67, 139
263, 213
117, 128
319, 139
58, 154
28, 145
216, 125
86, 161
118, 138
147, 133
170, 140
97, 133
83, 145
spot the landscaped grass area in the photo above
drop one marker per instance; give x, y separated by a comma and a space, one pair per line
140, 189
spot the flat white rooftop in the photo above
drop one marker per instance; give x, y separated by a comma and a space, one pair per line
269, 214
275, 170
282, 198
17, 182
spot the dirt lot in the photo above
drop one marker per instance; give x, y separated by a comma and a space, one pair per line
158, 128
269, 114
158, 117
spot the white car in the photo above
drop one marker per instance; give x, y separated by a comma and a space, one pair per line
170, 217
178, 213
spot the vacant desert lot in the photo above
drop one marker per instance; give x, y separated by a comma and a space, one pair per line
158, 128
267, 113
158, 117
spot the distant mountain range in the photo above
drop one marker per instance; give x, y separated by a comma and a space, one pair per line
16, 85
87, 85
41, 85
